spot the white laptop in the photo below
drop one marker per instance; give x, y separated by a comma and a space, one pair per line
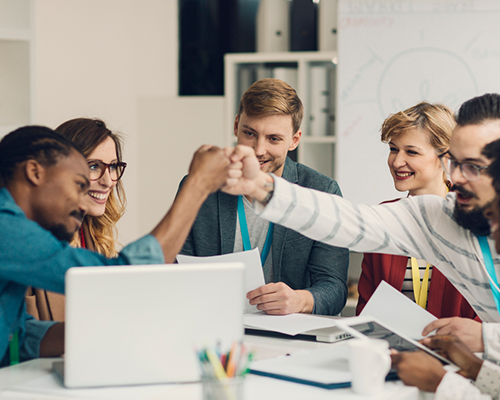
141, 324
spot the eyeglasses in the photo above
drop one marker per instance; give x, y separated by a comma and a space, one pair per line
98, 168
469, 171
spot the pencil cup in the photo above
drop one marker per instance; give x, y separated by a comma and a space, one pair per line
369, 363
223, 389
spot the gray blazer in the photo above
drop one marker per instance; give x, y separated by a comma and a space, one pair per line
299, 262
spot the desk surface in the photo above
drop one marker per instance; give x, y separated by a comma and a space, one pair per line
34, 380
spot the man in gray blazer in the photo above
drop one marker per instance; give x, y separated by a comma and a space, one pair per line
301, 275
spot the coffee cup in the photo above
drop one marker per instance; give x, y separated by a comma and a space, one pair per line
369, 363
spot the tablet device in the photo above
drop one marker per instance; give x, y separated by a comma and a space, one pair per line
366, 326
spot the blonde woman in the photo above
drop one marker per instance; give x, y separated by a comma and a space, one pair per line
416, 137
106, 198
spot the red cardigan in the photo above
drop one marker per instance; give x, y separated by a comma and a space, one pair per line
443, 300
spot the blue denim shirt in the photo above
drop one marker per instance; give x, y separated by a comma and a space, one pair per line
31, 255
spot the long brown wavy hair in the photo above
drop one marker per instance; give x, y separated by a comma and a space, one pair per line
88, 134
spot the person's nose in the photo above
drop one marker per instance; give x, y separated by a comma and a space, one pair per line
105, 180
457, 177
260, 147
84, 203
399, 160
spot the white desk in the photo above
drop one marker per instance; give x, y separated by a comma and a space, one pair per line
25, 380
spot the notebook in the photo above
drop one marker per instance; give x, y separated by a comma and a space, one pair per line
134, 325
327, 368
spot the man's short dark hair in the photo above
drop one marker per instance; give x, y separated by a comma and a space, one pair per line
479, 109
31, 143
492, 151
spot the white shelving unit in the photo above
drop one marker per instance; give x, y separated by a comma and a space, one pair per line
242, 69
16, 39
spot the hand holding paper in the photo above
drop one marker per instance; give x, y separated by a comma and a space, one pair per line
394, 309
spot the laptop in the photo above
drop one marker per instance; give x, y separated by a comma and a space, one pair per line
331, 334
133, 325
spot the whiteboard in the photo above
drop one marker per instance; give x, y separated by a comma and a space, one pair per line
393, 54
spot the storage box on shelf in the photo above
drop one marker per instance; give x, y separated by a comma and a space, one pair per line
312, 74
16, 39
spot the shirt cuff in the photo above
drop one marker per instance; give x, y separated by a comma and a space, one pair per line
491, 339
488, 379
146, 250
34, 332
456, 387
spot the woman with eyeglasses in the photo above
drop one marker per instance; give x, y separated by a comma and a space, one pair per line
106, 203
416, 137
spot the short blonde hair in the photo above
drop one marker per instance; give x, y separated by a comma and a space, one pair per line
436, 120
272, 97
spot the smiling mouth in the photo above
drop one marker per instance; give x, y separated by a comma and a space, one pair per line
98, 196
403, 174
463, 195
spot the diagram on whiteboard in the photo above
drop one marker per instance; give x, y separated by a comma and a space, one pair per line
393, 54
445, 78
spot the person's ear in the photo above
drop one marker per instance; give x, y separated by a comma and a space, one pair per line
34, 172
236, 120
295, 140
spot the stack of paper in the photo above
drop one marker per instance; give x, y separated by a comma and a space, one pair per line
291, 324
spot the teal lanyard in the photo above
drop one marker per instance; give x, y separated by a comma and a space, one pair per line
246, 237
14, 348
488, 260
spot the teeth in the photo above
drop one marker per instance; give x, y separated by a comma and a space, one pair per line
403, 174
98, 196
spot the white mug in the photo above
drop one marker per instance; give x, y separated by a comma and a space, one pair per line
369, 363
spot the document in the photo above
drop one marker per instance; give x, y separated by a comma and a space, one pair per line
291, 324
254, 274
394, 309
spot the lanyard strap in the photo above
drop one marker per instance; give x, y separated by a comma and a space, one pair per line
14, 348
420, 291
492, 275
246, 237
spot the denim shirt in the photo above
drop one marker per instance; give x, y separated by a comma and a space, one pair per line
31, 255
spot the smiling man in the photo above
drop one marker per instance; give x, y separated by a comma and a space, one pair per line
425, 226
301, 275
44, 181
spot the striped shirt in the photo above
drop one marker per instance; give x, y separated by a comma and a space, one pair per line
420, 226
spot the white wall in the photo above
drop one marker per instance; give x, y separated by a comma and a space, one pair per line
104, 58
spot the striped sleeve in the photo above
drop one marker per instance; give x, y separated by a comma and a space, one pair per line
395, 229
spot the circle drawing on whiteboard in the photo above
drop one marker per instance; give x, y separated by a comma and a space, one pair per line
432, 74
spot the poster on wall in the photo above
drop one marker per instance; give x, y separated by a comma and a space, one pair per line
394, 54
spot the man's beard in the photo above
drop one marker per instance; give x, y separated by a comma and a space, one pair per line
61, 233
473, 220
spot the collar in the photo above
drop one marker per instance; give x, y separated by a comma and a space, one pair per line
7, 202
290, 171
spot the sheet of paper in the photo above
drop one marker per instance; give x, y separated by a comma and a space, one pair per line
397, 311
291, 324
254, 274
